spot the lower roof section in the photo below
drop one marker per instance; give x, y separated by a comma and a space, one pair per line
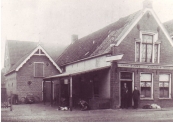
67, 74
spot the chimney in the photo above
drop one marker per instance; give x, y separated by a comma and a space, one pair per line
74, 38
147, 4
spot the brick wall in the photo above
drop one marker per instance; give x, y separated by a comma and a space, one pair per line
26, 73
127, 46
114, 86
11, 83
115, 83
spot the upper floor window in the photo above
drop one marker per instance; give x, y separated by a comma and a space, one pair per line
147, 50
38, 69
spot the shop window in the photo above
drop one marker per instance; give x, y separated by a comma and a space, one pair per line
147, 49
39, 69
146, 85
164, 85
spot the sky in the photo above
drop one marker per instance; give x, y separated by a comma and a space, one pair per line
54, 21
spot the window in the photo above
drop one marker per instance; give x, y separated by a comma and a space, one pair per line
38, 69
39, 52
164, 85
146, 85
147, 41
147, 49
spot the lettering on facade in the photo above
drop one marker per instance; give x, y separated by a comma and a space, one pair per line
145, 66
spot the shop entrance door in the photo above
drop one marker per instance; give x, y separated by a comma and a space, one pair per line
129, 98
126, 77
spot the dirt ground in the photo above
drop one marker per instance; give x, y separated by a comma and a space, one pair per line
41, 113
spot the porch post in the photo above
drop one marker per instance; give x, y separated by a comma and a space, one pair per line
115, 86
71, 99
59, 103
44, 96
51, 93
11, 101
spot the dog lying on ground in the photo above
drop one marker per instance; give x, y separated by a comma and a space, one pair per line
63, 108
151, 106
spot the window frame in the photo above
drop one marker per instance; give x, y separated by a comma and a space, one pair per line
146, 98
35, 70
170, 89
155, 42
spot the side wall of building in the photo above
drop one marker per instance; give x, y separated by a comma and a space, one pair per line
11, 83
26, 74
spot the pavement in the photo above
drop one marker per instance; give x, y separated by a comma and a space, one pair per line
46, 113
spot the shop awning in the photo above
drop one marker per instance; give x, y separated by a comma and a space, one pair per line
74, 73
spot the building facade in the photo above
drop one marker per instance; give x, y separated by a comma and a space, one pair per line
26, 65
136, 50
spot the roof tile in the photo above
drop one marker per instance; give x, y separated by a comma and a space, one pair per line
102, 38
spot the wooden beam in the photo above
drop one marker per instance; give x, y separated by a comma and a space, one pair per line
44, 94
11, 101
59, 96
71, 93
51, 94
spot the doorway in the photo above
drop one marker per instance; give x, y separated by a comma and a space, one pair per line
47, 91
64, 94
129, 86
128, 78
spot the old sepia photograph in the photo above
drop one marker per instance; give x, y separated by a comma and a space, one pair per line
86, 61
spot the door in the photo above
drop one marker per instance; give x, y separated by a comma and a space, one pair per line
57, 94
47, 91
129, 86
65, 94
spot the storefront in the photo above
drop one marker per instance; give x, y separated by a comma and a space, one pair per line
92, 86
153, 81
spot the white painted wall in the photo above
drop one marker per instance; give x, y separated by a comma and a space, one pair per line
104, 87
88, 64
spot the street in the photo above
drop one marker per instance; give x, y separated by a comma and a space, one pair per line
40, 113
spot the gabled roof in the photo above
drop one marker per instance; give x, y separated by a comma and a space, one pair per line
97, 42
21, 51
17, 49
169, 27
2, 76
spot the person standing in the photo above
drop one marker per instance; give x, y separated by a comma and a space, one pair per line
136, 96
125, 96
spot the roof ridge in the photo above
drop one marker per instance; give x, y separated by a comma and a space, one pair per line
93, 41
120, 30
21, 41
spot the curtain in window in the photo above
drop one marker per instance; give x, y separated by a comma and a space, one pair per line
137, 51
156, 53
146, 85
144, 52
164, 80
164, 92
147, 41
149, 53
147, 38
